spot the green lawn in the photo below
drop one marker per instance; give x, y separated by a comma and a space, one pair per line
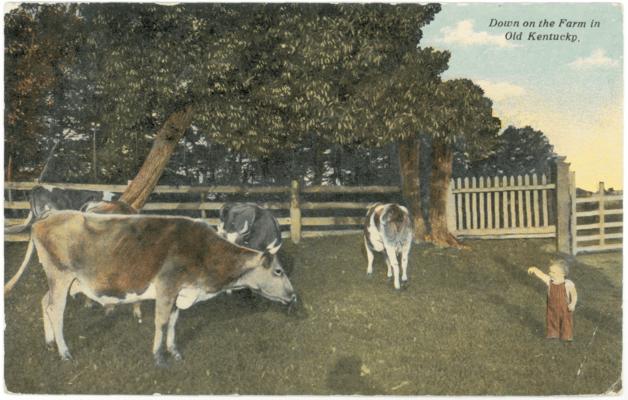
470, 322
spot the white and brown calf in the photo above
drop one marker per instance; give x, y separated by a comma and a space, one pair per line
388, 230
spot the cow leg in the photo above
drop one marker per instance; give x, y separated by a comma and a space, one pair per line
404, 262
389, 274
137, 312
48, 333
163, 308
170, 343
369, 258
109, 308
59, 286
391, 254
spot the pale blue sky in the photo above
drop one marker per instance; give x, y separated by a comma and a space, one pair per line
571, 91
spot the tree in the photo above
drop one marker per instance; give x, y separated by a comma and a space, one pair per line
252, 77
464, 118
41, 43
389, 106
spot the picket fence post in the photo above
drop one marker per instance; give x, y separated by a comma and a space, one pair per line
563, 207
451, 208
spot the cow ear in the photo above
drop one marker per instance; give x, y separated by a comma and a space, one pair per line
273, 248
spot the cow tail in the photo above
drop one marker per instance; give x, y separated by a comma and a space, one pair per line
20, 228
29, 253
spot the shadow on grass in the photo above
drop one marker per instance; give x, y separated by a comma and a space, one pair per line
346, 378
519, 313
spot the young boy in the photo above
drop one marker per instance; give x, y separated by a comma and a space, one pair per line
561, 300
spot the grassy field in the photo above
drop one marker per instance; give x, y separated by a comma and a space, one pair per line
469, 322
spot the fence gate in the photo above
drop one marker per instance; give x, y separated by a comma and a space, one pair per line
596, 223
502, 207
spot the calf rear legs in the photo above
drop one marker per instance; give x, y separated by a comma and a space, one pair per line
391, 255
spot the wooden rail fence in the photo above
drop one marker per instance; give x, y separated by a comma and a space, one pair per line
299, 225
527, 206
597, 221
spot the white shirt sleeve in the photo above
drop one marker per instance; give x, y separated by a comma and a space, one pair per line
572, 295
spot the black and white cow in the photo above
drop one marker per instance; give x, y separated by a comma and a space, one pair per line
249, 225
388, 230
43, 198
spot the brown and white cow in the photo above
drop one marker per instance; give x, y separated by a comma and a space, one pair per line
176, 261
109, 207
388, 229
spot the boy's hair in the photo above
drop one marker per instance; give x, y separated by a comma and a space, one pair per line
562, 264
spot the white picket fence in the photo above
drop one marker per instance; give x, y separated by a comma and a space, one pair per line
601, 234
501, 207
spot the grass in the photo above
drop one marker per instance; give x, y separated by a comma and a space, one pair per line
470, 322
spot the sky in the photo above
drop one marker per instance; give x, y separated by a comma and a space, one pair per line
570, 90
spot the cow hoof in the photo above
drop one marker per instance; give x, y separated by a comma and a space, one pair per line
160, 361
139, 320
369, 275
50, 346
108, 311
66, 356
176, 355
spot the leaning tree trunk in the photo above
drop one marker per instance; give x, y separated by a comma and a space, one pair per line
442, 160
136, 194
409, 156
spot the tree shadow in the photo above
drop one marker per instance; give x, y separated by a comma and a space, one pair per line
346, 378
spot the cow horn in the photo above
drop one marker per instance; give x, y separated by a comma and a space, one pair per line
245, 228
272, 248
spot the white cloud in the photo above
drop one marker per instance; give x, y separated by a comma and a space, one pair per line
500, 90
464, 34
597, 59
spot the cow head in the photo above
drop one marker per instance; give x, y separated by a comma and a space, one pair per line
236, 221
268, 278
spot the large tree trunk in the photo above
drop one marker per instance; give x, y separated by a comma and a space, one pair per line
442, 160
409, 156
136, 194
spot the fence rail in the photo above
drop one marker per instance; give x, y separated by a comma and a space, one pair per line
300, 225
501, 207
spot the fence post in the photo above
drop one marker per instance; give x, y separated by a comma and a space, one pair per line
451, 209
295, 213
202, 196
563, 207
573, 221
601, 207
